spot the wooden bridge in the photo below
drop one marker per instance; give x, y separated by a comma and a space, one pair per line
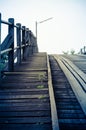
39, 91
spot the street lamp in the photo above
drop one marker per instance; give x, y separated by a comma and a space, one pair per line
39, 23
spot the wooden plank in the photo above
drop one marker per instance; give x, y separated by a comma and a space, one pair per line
73, 121
24, 79
25, 120
32, 73
24, 90
24, 85
24, 108
3, 97
33, 104
68, 111
37, 100
68, 107
39, 113
71, 116
54, 116
36, 126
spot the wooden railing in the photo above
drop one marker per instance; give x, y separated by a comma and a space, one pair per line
25, 44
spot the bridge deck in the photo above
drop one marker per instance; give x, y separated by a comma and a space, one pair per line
25, 101
24, 97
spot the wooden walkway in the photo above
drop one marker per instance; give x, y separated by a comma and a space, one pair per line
24, 96
27, 100
70, 114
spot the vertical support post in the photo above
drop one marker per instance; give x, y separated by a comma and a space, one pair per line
11, 53
31, 39
27, 42
84, 49
36, 45
18, 31
23, 41
30, 44
0, 46
33, 43
81, 51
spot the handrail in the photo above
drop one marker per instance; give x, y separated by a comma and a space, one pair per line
25, 43
8, 23
5, 51
5, 22
10, 49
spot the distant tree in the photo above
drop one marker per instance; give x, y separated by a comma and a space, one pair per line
65, 52
72, 52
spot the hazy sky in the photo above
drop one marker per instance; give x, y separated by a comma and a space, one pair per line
67, 29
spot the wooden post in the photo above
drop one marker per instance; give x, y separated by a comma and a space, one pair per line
23, 40
81, 51
36, 46
31, 42
27, 42
0, 46
18, 31
33, 45
84, 49
30, 46
11, 53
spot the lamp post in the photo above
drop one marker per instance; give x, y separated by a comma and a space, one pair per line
40, 23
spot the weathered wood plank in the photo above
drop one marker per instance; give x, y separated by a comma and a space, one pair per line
33, 104
24, 108
3, 97
73, 121
24, 97
37, 100
23, 85
39, 113
36, 126
69, 110
25, 120
23, 92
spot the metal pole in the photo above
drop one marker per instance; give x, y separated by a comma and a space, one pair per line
36, 25
46, 20
36, 31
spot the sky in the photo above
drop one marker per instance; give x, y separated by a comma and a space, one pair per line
64, 32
